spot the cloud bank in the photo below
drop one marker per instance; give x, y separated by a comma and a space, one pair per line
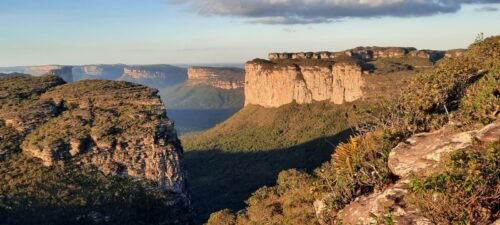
323, 11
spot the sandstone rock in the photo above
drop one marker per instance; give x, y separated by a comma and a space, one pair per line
272, 84
388, 203
118, 127
223, 78
423, 153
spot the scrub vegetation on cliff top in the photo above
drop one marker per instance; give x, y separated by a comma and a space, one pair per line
463, 90
38, 111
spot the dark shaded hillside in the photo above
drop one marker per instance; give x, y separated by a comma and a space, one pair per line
228, 162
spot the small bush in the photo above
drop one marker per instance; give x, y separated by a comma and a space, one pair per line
467, 192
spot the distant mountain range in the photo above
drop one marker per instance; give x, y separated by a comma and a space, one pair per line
208, 94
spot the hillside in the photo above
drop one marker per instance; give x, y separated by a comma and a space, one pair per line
446, 172
253, 146
88, 152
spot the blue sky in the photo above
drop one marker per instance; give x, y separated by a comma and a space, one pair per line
71, 32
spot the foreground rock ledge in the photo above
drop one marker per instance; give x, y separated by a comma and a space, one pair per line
422, 154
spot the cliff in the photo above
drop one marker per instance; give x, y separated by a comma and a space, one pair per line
372, 53
223, 78
157, 76
118, 127
361, 73
102, 72
65, 72
271, 84
91, 152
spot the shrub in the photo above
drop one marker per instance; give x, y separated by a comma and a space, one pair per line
467, 192
357, 168
482, 100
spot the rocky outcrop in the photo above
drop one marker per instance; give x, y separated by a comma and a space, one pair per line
272, 84
422, 155
218, 77
364, 53
118, 127
64, 72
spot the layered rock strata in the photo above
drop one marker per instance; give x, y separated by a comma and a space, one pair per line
371, 53
118, 127
271, 84
223, 78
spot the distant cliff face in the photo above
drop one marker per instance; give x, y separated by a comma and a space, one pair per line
273, 84
64, 72
223, 78
93, 72
157, 76
119, 127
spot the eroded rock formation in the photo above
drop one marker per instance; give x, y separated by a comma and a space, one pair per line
119, 127
271, 84
371, 53
223, 78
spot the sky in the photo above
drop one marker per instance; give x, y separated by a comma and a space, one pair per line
76, 32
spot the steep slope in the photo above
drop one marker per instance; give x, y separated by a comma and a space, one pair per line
230, 161
375, 178
92, 148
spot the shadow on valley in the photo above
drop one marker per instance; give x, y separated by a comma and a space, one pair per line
225, 179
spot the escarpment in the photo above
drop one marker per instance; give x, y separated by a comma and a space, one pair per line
362, 73
272, 84
371, 53
118, 127
223, 78
157, 76
64, 72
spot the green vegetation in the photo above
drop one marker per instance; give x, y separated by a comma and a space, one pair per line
463, 90
76, 191
252, 147
76, 194
467, 192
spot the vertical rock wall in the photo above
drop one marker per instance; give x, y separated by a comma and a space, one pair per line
274, 84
